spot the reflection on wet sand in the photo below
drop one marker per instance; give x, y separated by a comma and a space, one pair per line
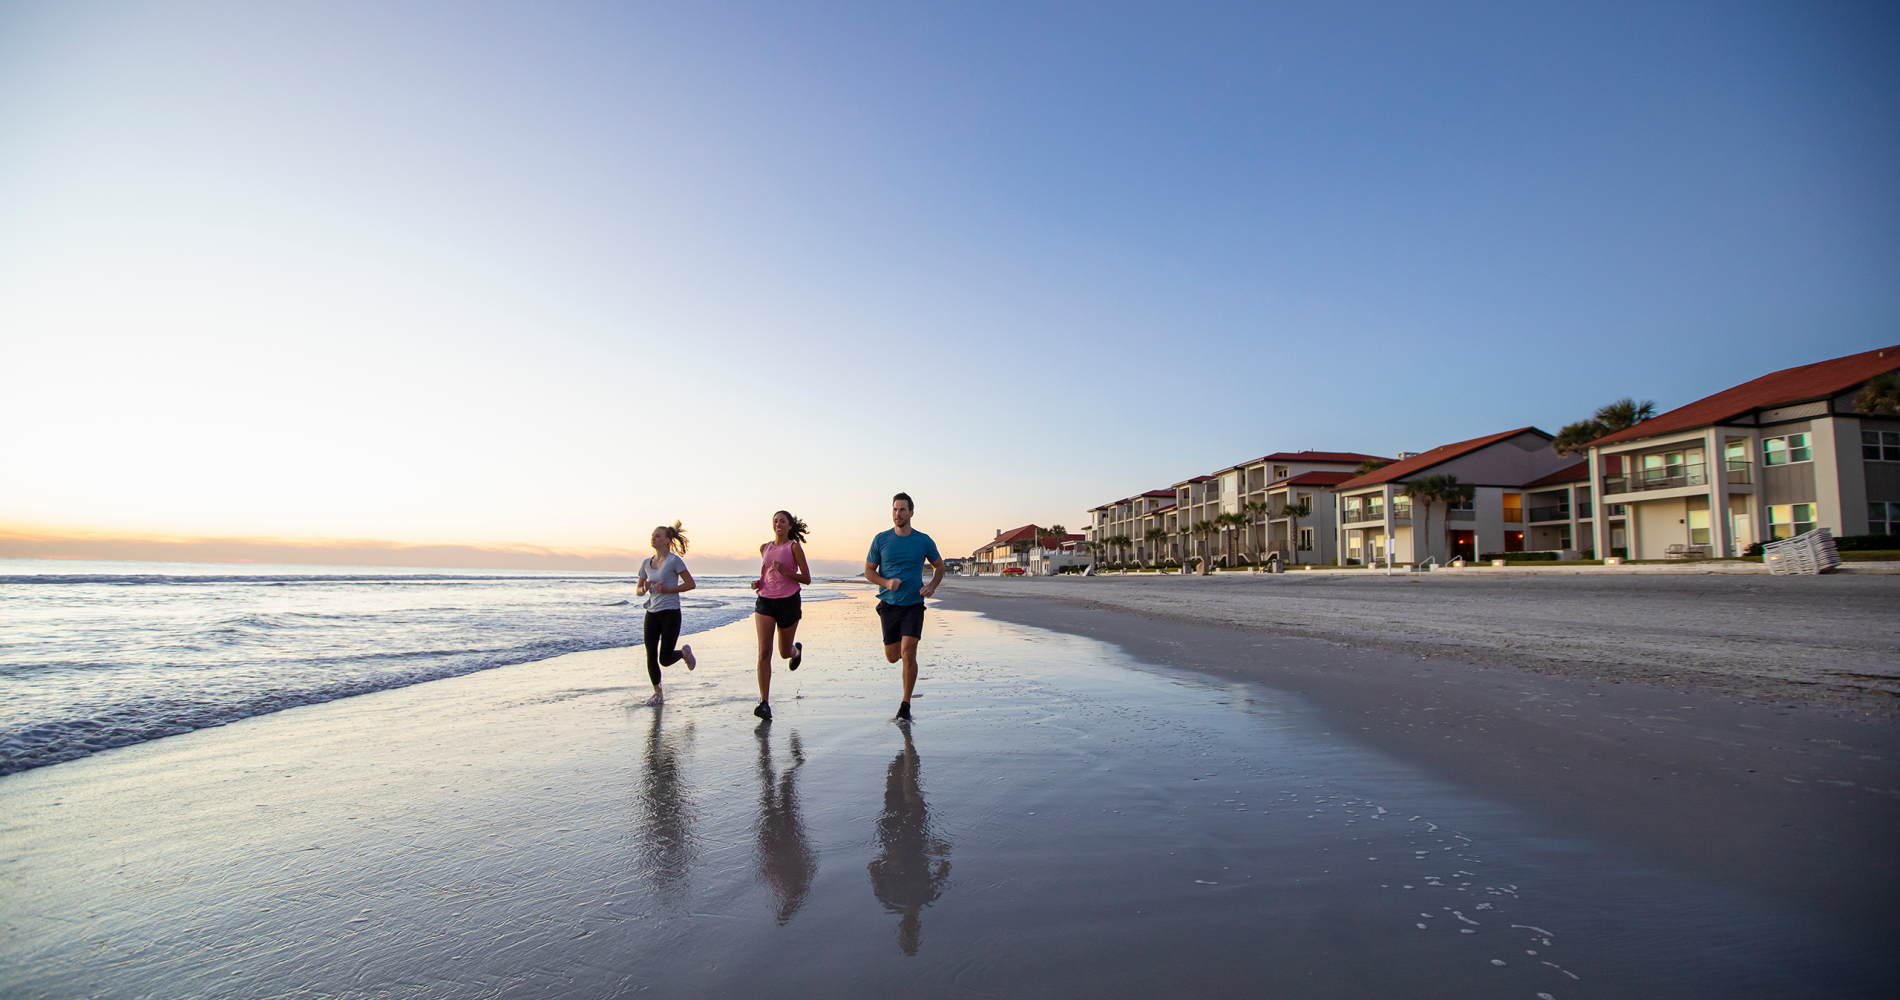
786, 861
664, 828
914, 865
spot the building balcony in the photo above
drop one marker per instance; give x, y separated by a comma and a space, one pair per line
1673, 477
1354, 515
1559, 513
1739, 471
1461, 515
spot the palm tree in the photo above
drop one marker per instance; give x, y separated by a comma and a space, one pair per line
1428, 490
1609, 418
1295, 511
1155, 536
1262, 510
1201, 530
1121, 543
1234, 522
1370, 464
1880, 395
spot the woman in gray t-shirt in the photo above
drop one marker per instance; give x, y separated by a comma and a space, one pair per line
663, 579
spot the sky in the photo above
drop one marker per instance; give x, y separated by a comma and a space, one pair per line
534, 278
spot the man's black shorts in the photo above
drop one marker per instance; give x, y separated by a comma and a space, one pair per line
901, 620
784, 610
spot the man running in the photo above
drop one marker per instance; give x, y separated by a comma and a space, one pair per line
896, 565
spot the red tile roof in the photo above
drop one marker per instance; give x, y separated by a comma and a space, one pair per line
1334, 457
1342, 457
1792, 385
1026, 533
1442, 453
1568, 474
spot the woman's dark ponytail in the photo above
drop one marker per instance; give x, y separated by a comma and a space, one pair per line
799, 528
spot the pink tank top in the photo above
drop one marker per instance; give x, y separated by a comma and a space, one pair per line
778, 584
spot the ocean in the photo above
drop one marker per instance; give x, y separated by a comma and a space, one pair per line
102, 654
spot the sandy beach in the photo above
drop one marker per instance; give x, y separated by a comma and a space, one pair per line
1830, 641
1067, 817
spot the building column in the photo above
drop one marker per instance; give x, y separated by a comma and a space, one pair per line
1721, 537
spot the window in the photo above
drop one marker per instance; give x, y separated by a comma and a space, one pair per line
1783, 450
1880, 446
1513, 509
1459, 505
1790, 519
1279, 473
1306, 535
1401, 506
1883, 518
1698, 527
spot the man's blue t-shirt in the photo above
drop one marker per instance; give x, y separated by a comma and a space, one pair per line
902, 558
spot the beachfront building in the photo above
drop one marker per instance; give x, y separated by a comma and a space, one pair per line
1027, 548
1197, 503
1301, 540
1558, 514
1007, 549
1772, 458
1128, 518
1277, 481
1375, 513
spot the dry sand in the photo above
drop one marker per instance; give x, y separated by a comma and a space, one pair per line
1830, 641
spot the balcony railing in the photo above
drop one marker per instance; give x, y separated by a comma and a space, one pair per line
1667, 478
1558, 513
1357, 514
1739, 471
1461, 515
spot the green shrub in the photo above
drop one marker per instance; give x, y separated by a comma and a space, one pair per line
1521, 556
1867, 543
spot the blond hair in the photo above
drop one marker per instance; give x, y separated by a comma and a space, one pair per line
675, 536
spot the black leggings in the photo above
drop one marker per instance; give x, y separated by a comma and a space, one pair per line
663, 633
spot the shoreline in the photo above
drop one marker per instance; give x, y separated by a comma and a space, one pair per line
1795, 804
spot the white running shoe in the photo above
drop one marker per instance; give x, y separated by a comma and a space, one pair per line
657, 700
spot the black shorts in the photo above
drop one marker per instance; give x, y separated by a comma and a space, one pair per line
784, 610
901, 620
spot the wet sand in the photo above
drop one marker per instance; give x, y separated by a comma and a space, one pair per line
1776, 798
1061, 820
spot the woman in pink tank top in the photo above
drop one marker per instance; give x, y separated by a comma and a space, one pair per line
782, 568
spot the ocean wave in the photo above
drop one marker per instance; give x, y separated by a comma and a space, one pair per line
87, 671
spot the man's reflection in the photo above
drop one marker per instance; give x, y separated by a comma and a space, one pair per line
914, 865
786, 861
664, 830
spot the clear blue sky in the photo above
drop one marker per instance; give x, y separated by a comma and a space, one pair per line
552, 273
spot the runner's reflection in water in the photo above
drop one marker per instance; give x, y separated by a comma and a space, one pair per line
663, 830
786, 861
914, 866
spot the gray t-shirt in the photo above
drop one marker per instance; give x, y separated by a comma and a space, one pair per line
668, 575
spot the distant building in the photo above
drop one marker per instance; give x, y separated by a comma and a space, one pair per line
1027, 548
1375, 513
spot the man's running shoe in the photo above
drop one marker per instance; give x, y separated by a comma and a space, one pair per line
903, 710
798, 654
764, 711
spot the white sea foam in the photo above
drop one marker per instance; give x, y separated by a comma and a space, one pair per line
95, 655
